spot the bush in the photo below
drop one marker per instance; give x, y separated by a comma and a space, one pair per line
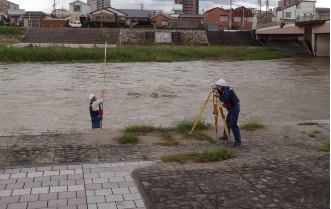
324, 146
129, 138
12, 30
186, 126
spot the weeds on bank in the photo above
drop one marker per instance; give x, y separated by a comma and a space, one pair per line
324, 146
168, 139
125, 54
129, 138
139, 129
252, 126
307, 124
313, 134
202, 136
211, 155
183, 127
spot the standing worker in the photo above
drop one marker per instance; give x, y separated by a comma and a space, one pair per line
96, 110
231, 102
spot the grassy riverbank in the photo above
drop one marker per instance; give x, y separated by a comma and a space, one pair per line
150, 53
139, 54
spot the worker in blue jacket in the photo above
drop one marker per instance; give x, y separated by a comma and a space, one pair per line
96, 110
230, 101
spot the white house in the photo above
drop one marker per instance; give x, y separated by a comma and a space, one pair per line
79, 11
300, 10
108, 14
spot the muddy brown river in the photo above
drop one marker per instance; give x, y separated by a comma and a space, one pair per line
54, 97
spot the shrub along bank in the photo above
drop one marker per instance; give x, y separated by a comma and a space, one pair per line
167, 53
149, 53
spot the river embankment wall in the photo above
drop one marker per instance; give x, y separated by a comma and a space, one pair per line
87, 37
129, 36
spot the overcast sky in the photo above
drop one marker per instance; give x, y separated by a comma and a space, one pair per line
165, 5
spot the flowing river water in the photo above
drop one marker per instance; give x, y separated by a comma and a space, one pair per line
50, 97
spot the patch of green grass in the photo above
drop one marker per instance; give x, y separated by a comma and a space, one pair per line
168, 142
139, 129
145, 157
252, 126
314, 133
128, 138
211, 155
292, 143
185, 126
324, 146
202, 136
307, 124
12, 30
168, 138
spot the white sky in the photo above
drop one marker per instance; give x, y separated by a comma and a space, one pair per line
165, 5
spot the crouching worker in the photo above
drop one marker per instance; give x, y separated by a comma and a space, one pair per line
231, 102
96, 110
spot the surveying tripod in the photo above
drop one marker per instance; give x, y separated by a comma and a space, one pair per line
217, 108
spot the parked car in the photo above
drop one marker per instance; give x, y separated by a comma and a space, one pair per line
75, 24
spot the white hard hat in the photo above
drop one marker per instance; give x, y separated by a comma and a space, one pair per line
91, 96
220, 82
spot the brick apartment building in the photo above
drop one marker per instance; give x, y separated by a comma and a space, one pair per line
189, 6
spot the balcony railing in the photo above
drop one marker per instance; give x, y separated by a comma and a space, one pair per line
301, 18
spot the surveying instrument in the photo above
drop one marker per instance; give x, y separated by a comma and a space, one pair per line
217, 109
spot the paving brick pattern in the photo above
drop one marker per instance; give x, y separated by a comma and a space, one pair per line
288, 182
83, 186
278, 167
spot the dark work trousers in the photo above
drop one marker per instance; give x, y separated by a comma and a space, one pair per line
232, 122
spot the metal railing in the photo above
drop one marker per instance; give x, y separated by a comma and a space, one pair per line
301, 18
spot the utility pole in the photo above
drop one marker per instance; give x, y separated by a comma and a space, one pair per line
282, 23
230, 14
243, 22
101, 12
266, 10
54, 9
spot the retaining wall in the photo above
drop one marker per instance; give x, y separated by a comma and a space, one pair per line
137, 36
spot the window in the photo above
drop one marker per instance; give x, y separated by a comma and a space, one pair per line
77, 8
224, 18
249, 19
287, 14
237, 19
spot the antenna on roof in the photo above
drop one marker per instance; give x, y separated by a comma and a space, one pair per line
142, 6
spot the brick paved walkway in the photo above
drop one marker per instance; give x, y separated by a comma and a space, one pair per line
278, 167
82, 186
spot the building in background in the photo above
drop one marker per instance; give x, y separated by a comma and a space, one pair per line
15, 17
108, 15
61, 13
189, 6
79, 11
11, 11
98, 4
33, 19
177, 9
219, 19
290, 11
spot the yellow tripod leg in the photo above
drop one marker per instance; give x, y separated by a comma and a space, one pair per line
215, 112
200, 113
223, 118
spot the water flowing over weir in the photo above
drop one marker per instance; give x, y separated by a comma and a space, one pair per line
38, 97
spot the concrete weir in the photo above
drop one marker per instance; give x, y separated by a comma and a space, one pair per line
312, 37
